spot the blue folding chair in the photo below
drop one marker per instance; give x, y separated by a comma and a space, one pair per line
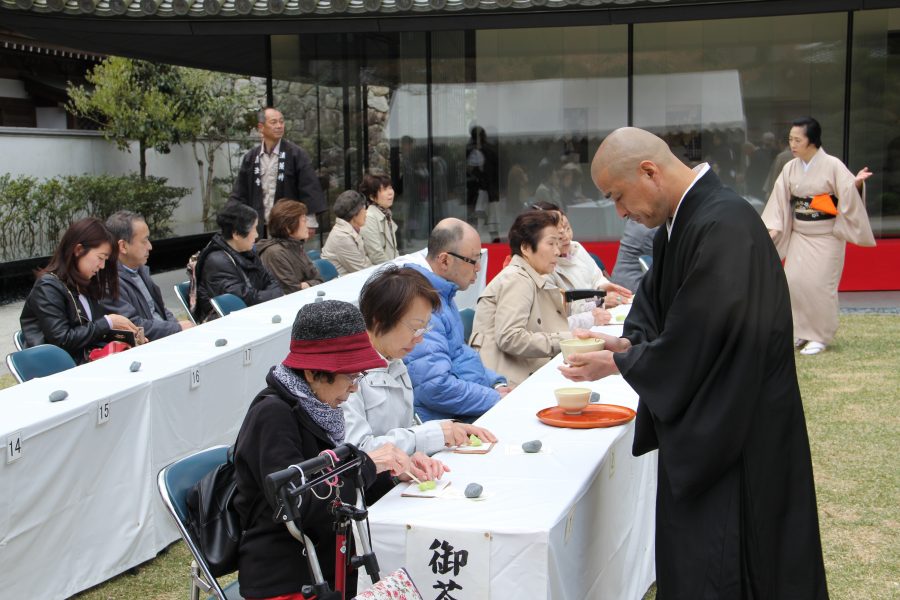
225, 304
174, 482
183, 292
468, 318
646, 261
313, 254
19, 340
326, 269
598, 261
38, 361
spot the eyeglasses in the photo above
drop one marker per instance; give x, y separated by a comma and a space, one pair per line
355, 378
419, 332
471, 261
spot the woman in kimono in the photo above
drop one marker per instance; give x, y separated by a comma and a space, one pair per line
814, 210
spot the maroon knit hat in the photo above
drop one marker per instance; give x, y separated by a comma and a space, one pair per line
331, 336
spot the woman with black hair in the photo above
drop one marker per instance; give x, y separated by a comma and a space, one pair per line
814, 210
64, 307
229, 265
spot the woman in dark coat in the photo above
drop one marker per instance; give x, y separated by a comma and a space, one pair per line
228, 264
295, 418
63, 308
283, 253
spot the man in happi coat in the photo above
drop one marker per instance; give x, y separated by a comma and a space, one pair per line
275, 170
707, 347
814, 210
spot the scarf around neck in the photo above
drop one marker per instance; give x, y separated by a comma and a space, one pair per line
329, 419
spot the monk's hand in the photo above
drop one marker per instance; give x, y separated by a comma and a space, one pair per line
589, 366
610, 342
615, 294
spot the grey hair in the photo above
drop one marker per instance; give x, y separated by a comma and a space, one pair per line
121, 224
443, 238
348, 204
261, 114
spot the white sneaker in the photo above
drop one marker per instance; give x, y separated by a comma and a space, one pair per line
812, 348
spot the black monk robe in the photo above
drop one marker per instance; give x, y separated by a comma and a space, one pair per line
712, 361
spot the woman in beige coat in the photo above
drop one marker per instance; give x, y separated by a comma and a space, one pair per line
380, 232
520, 318
344, 247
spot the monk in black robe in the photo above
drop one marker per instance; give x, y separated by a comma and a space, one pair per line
708, 346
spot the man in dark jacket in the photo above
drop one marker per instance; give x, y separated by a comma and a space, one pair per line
708, 347
139, 297
277, 169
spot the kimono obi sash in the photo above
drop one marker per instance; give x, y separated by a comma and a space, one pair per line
816, 208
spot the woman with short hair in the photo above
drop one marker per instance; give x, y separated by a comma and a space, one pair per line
520, 318
228, 264
344, 247
63, 308
379, 232
397, 305
283, 253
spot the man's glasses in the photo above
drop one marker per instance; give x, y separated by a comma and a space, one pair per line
471, 261
355, 378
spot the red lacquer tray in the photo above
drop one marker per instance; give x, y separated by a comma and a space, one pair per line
594, 415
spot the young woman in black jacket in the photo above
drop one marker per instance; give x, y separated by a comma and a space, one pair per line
229, 265
63, 308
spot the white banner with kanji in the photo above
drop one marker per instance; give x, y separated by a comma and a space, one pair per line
449, 565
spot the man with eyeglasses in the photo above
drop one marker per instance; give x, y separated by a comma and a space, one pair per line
448, 377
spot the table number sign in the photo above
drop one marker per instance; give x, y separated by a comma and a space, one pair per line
449, 565
14, 447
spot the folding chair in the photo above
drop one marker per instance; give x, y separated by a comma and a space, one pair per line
326, 269
182, 292
174, 482
468, 319
225, 304
646, 261
38, 361
314, 254
19, 339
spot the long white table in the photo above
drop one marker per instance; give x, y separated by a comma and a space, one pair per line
575, 521
78, 499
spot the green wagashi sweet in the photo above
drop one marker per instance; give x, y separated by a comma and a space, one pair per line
474, 440
424, 486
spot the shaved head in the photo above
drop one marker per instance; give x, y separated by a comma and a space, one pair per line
637, 171
454, 252
623, 151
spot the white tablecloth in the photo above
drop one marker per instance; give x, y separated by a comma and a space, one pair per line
575, 521
80, 504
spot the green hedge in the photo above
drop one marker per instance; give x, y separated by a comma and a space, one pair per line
34, 214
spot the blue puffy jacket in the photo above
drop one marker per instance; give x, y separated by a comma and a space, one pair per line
449, 380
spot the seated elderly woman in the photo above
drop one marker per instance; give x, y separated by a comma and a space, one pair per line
520, 318
397, 304
295, 418
344, 247
576, 270
63, 308
228, 264
283, 253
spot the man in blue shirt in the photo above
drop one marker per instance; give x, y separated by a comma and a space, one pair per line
448, 377
139, 297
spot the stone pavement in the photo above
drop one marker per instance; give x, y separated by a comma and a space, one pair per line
853, 302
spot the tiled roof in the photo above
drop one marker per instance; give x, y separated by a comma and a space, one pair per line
263, 8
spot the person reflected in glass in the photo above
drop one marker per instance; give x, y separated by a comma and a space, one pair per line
814, 210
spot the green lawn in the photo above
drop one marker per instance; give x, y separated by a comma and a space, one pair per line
850, 395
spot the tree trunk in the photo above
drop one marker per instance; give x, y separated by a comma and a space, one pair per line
142, 149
